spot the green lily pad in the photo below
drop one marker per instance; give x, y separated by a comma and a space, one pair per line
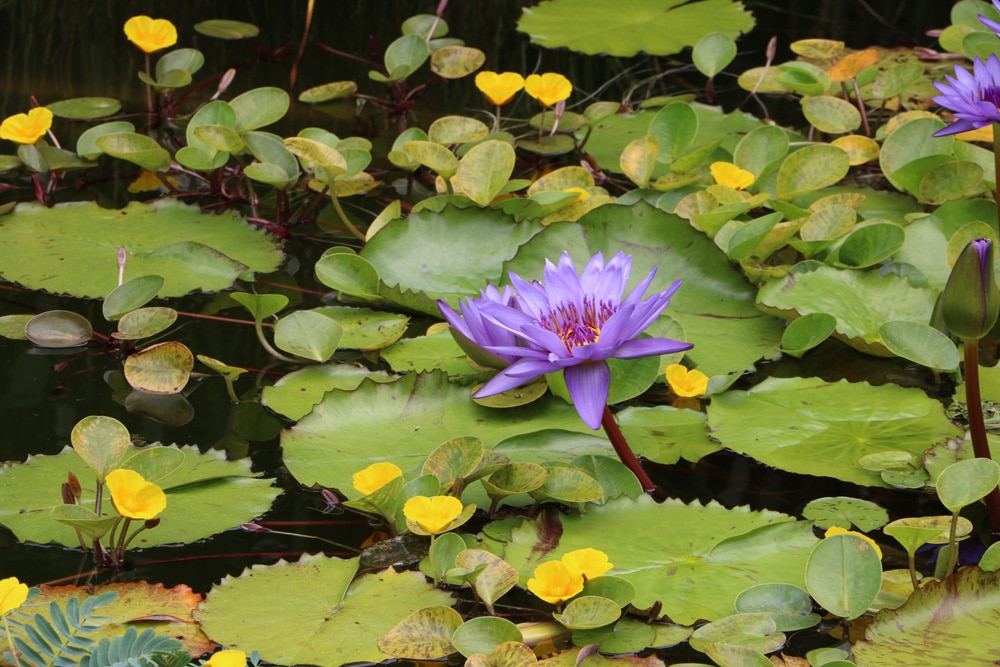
844, 574
917, 633
295, 394
713, 303
424, 634
227, 29
85, 108
862, 301
656, 27
788, 605
697, 568
205, 495
809, 426
845, 512
58, 328
163, 368
217, 249
483, 634
325, 618
144, 322
921, 343
130, 295
308, 334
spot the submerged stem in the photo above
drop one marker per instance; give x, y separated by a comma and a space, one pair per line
977, 427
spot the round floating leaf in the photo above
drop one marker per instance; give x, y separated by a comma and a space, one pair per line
789, 606
220, 138
858, 148
760, 148
101, 442
449, 130
494, 580
317, 153
910, 142
867, 244
205, 495
917, 633
321, 618
423, 635
675, 127
58, 328
484, 171
364, 328
84, 519
639, 159
754, 631
811, 168
921, 343
432, 155
618, 589
845, 512
163, 368
483, 634
227, 29
568, 484
949, 180
308, 334
965, 482
657, 27
13, 326
85, 108
130, 295
403, 57
136, 148
713, 53
217, 248
844, 575
271, 174
454, 62
261, 306
188, 61
914, 532
588, 611
145, 322
453, 459
335, 90
259, 107
809, 426
831, 114
514, 478
807, 332
348, 273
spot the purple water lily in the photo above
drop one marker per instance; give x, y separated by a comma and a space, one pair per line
569, 322
974, 98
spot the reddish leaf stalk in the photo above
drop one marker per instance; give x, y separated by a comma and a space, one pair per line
977, 428
627, 457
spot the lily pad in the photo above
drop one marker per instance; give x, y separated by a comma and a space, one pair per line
656, 27
919, 633
322, 616
697, 568
813, 427
295, 394
217, 249
205, 495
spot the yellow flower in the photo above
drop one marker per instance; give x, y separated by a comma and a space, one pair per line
499, 89
26, 128
432, 515
589, 563
134, 497
581, 194
728, 174
375, 476
837, 530
685, 383
147, 181
12, 594
554, 583
150, 35
548, 88
227, 658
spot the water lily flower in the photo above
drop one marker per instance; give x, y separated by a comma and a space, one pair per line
134, 497
728, 174
474, 333
837, 530
432, 515
499, 89
970, 301
588, 563
974, 98
554, 583
12, 594
989, 23
26, 128
150, 34
686, 383
375, 476
227, 658
571, 323
548, 88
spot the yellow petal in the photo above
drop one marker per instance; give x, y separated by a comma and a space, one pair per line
375, 476
554, 583
548, 88
150, 34
134, 497
685, 383
499, 89
589, 563
837, 530
728, 174
26, 128
228, 658
12, 594
432, 515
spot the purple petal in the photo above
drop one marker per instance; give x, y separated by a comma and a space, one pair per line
526, 370
588, 387
647, 347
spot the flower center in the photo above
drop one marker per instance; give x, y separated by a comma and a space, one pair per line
576, 328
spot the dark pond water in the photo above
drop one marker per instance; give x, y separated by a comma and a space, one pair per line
61, 50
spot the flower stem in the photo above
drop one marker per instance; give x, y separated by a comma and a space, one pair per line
977, 428
996, 162
627, 457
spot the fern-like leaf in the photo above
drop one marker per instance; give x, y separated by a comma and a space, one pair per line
130, 649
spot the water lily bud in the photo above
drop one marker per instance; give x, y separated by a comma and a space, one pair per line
74, 485
152, 523
67, 495
970, 301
